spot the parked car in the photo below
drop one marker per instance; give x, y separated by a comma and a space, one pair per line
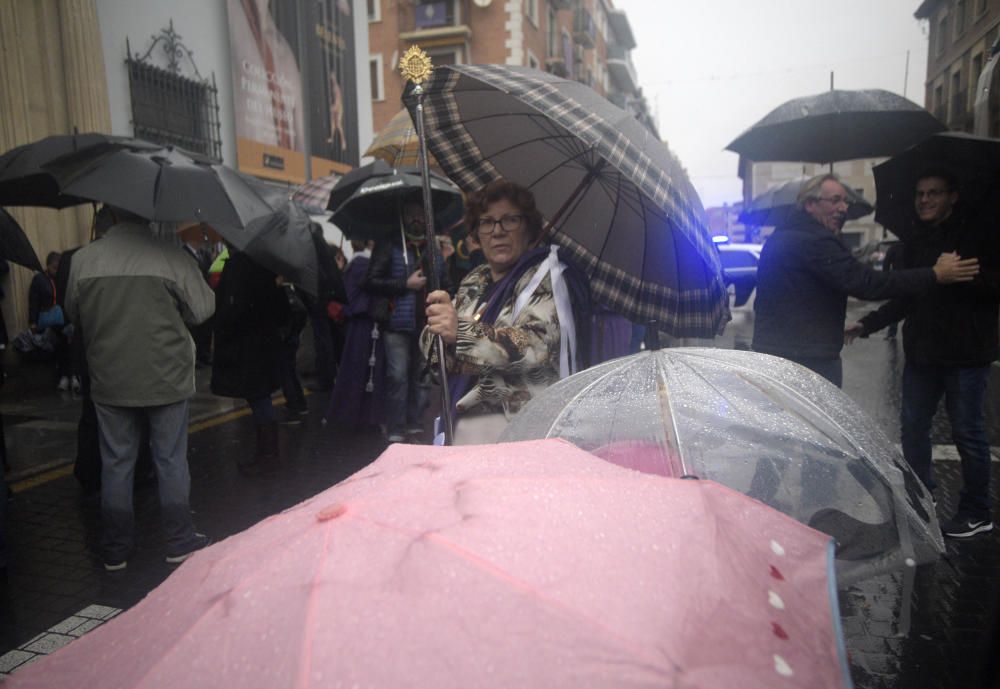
739, 269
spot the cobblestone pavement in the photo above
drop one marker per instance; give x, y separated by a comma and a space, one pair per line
57, 590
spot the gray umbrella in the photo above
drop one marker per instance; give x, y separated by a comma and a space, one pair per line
23, 180
773, 206
14, 244
164, 184
283, 243
837, 125
618, 202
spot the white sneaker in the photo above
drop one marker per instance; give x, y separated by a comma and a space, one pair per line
63, 384
75, 384
396, 438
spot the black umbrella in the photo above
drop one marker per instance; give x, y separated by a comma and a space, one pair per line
773, 206
14, 244
281, 242
163, 184
837, 125
972, 161
366, 201
25, 182
616, 199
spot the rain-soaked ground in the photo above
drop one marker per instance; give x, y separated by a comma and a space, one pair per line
57, 590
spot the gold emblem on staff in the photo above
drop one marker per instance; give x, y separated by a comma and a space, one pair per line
415, 65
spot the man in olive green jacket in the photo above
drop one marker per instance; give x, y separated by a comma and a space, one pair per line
132, 296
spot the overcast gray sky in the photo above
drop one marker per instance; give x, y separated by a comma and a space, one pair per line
711, 68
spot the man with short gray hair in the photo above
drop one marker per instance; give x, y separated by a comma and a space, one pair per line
133, 296
806, 273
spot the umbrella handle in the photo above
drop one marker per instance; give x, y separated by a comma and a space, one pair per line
433, 280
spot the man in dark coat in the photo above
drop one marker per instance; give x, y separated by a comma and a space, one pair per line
806, 274
250, 311
950, 339
331, 288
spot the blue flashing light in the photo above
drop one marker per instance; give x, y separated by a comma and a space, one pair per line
720, 239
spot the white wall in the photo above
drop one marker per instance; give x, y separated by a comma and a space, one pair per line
366, 126
204, 28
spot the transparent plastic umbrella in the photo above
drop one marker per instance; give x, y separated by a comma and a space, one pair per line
759, 424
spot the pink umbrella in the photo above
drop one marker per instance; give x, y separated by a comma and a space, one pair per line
515, 565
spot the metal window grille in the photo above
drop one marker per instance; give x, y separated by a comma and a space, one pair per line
174, 110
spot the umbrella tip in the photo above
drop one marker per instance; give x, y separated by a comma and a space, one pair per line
331, 512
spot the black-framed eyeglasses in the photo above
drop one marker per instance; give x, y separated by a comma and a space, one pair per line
509, 223
835, 200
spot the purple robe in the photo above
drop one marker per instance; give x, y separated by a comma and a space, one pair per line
351, 403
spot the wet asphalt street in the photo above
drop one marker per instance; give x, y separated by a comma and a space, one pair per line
57, 590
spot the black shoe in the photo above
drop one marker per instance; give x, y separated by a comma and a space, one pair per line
200, 541
964, 526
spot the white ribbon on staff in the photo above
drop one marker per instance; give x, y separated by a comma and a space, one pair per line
553, 267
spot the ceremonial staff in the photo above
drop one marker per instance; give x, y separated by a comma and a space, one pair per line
416, 67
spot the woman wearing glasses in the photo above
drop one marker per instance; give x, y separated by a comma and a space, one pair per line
512, 328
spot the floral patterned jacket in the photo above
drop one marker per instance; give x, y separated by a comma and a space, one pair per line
509, 359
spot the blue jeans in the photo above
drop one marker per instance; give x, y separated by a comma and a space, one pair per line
120, 434
406, 391
964, 391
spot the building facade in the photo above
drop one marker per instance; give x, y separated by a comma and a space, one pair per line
586, 40
278, 89
961, 39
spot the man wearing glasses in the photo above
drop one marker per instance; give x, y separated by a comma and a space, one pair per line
950, 339
806, 274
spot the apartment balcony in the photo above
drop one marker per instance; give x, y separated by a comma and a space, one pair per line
435, 20
584, 30
621, 29
621, 69
561, 4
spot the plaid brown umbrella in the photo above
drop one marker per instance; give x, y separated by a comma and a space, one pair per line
315, 194
397, 143
617, 201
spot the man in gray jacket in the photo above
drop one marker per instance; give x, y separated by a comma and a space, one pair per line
132, 296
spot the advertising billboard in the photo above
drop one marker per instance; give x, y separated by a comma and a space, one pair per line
294, 87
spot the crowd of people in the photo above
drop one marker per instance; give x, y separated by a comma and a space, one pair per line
500, 312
